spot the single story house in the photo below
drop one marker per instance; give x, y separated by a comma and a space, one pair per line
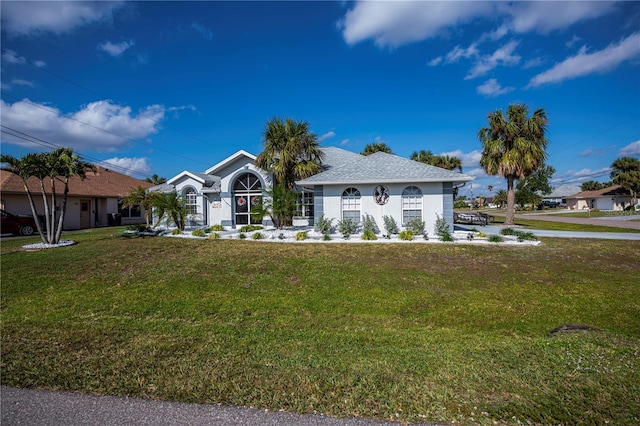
349, 186
612, 198
559, 195
91, 202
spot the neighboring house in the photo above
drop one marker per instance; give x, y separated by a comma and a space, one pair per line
559, 195
92, 202
350, 185
612, 198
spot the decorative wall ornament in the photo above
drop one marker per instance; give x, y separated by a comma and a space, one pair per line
381, 195
241, 201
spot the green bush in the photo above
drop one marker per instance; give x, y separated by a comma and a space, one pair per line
416, 226
301, 236
369, 224
442, 228
495, 238
326, 237
369, 235
250, 228
390, 225
347, 227
257, 236
176, 231
242, 236
323, 225
522, 236
198, 233
216, 228
214, 236
138, 228
406, 235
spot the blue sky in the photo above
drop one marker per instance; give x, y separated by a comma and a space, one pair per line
161, 87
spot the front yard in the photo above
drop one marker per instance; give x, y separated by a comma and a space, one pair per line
407, 332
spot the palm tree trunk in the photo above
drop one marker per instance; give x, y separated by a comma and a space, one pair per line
63, 209
511, 202
32, 204
47, 217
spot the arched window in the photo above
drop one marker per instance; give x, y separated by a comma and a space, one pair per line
247, 192
411, 204
191, 200
351, 204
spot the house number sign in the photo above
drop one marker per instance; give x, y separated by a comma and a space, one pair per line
381, 195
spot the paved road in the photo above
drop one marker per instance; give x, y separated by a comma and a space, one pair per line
46, 408
628, 222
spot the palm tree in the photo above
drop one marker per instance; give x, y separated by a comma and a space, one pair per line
443, 161
141, 197
59, 165
513, 147
426, 157
173, 205
156, 180
291, 151
625, 171
372, 148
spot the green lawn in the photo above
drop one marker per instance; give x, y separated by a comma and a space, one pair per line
413, 333
560, 226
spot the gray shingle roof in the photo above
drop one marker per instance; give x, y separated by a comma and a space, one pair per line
380, 168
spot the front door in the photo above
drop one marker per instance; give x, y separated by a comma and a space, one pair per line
85, 213
247, 192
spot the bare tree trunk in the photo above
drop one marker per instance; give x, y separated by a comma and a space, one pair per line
511, 202
63, 210
32, 204
47, 217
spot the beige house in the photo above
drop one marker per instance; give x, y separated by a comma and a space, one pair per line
92, 202
612, 198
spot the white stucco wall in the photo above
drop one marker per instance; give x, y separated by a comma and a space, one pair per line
432, 203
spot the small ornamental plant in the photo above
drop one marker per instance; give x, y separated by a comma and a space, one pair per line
301, 236
216, 228
323, 225
198, 233
390, 226
416, 226
369, 235
176, 231
214, 236
495, 238
406, 235
369, 223
346, 227
442, 228
257, 236
242, 236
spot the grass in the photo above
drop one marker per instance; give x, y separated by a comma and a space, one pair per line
560, 226
412, 333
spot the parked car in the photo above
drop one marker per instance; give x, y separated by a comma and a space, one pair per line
17, 224
548, 204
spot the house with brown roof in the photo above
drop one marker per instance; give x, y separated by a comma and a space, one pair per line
92, 202
612, 198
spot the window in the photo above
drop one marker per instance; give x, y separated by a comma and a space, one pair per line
351, 204
133, 211
304, 204
247, 192
411, 204
191, 200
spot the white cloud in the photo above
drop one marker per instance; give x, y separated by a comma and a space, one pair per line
391, 24
579, 176
546, 16
492, 88
205, 32
17, 82
593, 152
630, 150
11, 57
129, 166
435, 61
326, 136
99, 126
116, 49
469, 159
34, 18
572, 42
532, 63
503, 56
457, 53
584, 63
344, 142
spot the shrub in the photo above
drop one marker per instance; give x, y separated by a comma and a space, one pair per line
176, 231
369, 235
301, 236
369, 224
214, 236
390, 225
495, 239
323, 225
198, 233
416, 226
326, 237
406, 235
443, 230
257, 236
522, 236
482, 235
216, 228
242, 236
347, 227
138, 228
508, 231
250, 228
281, 236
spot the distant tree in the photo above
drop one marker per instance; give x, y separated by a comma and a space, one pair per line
156, 180
591, 185
625, 171
513, 147
376, 147
291, 151
500, 198
532, 188
426, 157
490, 188
443, 161
59, 165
